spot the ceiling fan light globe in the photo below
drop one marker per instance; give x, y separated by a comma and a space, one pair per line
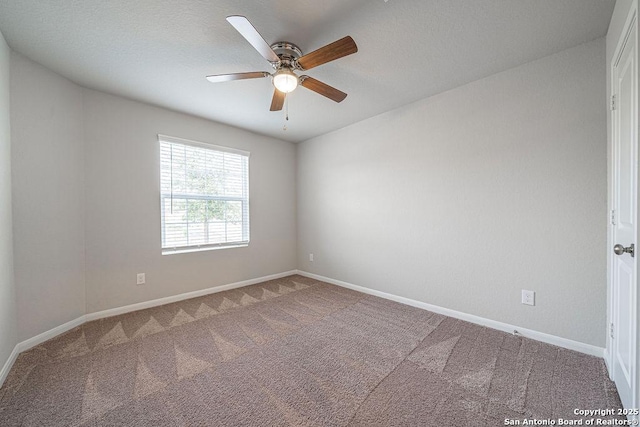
285, 81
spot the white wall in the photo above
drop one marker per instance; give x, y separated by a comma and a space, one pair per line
8, 324
459, 200
466, 198
123, 205
86, 202
48, 197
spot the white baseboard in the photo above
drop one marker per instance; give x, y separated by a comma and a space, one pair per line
539, 336
34, 341
52, 333
607, 363
528, 333
8, 364
175, 298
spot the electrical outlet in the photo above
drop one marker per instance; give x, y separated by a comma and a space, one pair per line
311, 257
528, 297
140, 280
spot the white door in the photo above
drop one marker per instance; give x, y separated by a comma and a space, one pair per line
624, 271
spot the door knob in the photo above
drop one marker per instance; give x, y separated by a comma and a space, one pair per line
619, 249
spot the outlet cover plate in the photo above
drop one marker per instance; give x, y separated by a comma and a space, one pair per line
140, 279
528, 297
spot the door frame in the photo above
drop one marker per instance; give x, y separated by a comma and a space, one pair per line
630, 21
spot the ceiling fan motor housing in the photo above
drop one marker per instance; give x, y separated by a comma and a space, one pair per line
288, 54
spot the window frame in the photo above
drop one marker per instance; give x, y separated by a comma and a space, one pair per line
181, 196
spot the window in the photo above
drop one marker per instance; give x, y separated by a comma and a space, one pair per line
204, 193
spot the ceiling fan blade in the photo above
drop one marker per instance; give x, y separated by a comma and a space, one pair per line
217, 78
252, 35
278, 100
343, 47
322, 88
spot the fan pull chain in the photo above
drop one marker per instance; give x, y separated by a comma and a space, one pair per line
286, 113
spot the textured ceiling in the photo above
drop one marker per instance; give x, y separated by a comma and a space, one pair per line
159, 51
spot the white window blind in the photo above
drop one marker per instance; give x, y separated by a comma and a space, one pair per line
204, 193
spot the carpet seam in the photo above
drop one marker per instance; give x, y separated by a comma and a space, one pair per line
385, 377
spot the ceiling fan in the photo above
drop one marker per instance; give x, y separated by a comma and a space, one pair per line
285, 58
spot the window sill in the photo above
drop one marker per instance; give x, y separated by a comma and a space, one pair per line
202, 249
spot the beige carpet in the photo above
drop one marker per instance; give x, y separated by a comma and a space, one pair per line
299, 352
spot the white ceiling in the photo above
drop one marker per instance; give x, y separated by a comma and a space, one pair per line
159, 51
